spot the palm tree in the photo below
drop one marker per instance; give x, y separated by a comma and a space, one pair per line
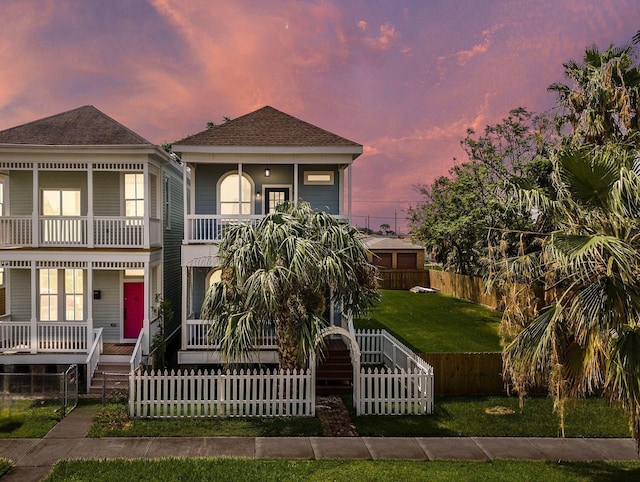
586, 337
287, 270
602, 102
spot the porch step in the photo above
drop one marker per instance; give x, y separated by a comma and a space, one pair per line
334, 374
109, 377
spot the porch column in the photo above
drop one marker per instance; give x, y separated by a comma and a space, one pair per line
147, 206
349, 194
295, 184
147, 308
341, 192
35, 213
185, 203
239, 190
89, 227
34, 308
185, 304
89, 304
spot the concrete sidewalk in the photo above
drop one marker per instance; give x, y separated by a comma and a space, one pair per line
35, 457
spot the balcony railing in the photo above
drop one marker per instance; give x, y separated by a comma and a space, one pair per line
210, 227
73, 231
198, 337
51, 337
207, 228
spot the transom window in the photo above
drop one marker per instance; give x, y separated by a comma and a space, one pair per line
229, 195
134, 195
57, 284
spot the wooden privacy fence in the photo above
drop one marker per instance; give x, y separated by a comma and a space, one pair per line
468, 288
254, 393
403, 279
466, 373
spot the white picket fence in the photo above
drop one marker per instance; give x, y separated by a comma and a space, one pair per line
254, 393
402, 385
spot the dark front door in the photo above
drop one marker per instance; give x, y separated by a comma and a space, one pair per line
133, 309
274, 196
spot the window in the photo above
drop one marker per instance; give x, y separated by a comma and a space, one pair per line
229, 195
1, 277
214, 276
318, 178
67, 282
58, 204
61, 202
134, 195
2, 209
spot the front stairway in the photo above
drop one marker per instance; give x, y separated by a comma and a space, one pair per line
334, 375
112, 372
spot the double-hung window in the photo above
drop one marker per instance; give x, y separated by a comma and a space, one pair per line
61, 293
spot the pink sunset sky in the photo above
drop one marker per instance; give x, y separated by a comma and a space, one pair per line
403, 78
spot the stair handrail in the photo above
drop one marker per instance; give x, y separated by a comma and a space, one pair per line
136, 358
94, 355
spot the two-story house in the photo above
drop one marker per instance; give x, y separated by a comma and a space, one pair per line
237, 172
90, 234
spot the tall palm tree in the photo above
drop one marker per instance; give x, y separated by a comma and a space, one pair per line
287, 270
601, 103
586, 339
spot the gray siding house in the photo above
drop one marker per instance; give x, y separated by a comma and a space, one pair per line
90, 234
238, 172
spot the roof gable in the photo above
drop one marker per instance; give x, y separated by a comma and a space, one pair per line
266, 127
84, 126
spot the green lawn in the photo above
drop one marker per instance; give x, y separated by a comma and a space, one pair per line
245, 470
434, 323
112, 421
27, 419
468, 417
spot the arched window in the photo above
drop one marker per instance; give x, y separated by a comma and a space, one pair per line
214, 276
229, 194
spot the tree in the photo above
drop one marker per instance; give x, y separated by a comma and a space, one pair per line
459, 210
601, 103
586, 337
287, 270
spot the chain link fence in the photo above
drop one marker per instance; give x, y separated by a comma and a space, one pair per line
59, 390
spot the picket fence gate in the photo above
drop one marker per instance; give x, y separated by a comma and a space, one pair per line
395, 391
251, 393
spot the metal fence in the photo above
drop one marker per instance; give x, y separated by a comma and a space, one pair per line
51, 389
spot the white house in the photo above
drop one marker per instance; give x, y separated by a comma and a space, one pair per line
90, 233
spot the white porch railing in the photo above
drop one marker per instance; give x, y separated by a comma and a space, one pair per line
15, 336
136, 357
94, 355
118, 231
204, 228
198, 337
58, 337
403, 385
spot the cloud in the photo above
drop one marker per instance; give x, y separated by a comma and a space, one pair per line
464, 56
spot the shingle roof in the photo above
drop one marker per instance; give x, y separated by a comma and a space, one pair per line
84, 126
266, 127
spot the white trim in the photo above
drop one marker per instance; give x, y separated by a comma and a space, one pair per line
251, 201
330, 182
353, 150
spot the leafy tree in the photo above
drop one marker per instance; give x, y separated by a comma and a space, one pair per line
601, 102
285, 270
459, 210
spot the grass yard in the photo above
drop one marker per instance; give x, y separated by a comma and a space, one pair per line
325, 470
113, 421
468, 417
27, 419
434, 323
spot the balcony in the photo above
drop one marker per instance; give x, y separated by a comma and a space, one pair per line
74, 231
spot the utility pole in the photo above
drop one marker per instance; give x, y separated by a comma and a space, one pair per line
395, 221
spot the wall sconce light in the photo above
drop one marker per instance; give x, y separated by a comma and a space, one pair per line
258, 195
267, 172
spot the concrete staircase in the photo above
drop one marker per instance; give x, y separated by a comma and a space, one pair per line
334, 374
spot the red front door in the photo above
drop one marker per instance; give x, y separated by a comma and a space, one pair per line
133, 309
